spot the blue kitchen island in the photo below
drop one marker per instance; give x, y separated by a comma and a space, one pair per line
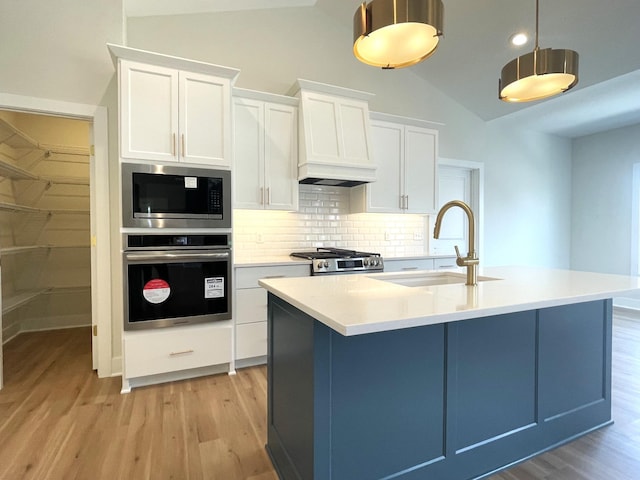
389, 376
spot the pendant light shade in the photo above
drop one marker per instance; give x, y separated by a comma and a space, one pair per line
397, 33
538, 74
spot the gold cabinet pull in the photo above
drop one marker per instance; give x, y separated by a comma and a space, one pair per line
182, 144
173, 145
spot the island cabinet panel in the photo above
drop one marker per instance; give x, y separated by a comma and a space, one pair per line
451, 401
494, 389
373, 377
573, 369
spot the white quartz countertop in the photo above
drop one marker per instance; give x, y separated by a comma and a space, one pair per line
366, 303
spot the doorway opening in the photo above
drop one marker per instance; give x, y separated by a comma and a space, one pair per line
15, 201
44, 224
459, 180
634, 267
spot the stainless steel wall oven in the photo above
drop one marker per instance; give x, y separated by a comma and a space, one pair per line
174, 279
160, 196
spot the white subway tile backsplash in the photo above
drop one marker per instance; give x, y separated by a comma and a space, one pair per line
324, 221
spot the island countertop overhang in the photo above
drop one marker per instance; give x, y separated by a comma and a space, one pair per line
366, 303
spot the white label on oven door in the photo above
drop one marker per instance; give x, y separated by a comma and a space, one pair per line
156, 291
190, 182
214, 287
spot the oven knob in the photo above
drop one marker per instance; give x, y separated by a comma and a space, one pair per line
366, 262
326, 264
320, 264
374, 262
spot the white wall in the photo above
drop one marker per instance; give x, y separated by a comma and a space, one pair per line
602, 200
527, 198
57, 50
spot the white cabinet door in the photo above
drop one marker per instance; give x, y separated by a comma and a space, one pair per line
265, 155
402, 265
172, 115
251, 305
336, 129
385, 195
420, 170
205, 110
148, 111
248, 153
165, 350
280, 157
250, 311
406, 160
251, 340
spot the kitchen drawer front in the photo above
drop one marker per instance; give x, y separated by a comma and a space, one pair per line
177, 348
247, 277
251, 305
407, 265
251, 340
444, 263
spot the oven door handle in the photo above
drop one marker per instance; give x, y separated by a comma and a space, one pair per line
179, 256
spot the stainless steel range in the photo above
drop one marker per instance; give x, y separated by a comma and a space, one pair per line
338, 260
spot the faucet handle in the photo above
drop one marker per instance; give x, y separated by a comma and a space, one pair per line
457, 251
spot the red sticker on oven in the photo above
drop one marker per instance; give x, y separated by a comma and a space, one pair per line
156, 291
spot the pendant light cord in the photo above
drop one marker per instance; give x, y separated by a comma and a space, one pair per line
537, 16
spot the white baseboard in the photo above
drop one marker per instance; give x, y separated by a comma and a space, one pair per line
43, 329
128, 384
251, 362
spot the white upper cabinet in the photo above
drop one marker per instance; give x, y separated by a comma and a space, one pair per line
265, 151
148, 111
173, 109
204, 108
405, 153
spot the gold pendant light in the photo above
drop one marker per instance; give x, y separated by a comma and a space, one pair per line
538, 74
396, 33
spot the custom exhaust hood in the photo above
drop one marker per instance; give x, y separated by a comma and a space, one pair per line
334, 135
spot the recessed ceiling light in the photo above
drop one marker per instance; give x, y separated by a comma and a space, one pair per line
519, 39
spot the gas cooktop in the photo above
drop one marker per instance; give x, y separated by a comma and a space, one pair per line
326, 260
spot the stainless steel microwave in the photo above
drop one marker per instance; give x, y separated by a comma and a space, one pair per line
161, 196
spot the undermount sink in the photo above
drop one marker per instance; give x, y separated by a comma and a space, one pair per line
427, 279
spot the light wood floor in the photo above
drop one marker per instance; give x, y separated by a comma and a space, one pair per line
59, 421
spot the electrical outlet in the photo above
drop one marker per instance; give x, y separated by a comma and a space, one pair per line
418, 235
259, 238
387, 236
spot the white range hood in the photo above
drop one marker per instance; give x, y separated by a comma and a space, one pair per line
334, 135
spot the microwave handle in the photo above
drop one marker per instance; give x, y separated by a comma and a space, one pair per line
191, 256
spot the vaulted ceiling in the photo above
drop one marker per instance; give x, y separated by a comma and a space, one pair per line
476, 46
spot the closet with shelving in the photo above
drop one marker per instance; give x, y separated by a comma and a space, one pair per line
44, 223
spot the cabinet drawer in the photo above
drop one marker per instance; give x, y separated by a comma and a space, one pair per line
247, 277
406, 265
251, 305
177, 348
444, 263
251, 340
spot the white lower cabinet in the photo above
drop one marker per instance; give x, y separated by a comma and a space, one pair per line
250, 313
404, 265
444, 263
251, 340
166, 350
